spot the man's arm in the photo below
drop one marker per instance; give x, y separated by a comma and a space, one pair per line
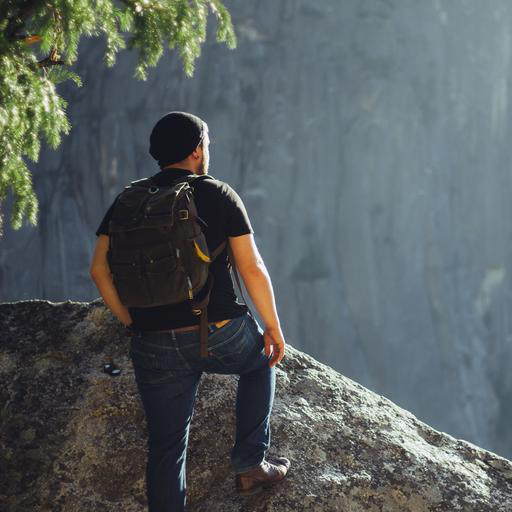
100, 274
257, 281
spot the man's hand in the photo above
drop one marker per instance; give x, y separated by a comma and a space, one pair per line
274, 344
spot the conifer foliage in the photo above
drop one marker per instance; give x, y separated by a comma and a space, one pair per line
38, 44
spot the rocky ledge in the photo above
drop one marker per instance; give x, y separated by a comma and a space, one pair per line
73, 437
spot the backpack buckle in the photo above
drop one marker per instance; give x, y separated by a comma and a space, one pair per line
196, 311
183, 214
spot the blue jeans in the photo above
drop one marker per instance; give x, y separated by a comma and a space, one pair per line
168, 368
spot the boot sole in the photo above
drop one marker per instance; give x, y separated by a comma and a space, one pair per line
259, 488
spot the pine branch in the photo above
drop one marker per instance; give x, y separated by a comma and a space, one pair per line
31, 108
51, 60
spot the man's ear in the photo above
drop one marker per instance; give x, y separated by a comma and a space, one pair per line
198, 152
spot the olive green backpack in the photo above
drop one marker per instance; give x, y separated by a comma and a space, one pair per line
158, 253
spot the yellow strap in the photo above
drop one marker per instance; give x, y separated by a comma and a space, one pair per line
201, 254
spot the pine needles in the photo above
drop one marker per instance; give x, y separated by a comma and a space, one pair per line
39, 41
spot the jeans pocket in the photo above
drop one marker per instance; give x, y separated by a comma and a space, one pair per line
153, 365
234, 349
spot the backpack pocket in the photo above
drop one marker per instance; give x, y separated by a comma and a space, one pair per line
166, 284
151, 283
130, 284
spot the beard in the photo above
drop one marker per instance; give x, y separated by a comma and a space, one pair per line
203, 167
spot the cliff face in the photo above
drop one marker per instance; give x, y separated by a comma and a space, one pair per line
73, 437
376, 130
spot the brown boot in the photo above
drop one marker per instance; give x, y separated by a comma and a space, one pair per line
266, 474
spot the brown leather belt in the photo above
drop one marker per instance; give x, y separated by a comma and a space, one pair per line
218, 324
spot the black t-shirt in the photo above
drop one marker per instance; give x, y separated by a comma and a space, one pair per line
224, 212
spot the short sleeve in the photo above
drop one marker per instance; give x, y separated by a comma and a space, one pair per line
237, 220
103, 227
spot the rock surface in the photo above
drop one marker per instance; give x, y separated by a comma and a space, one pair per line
73, 437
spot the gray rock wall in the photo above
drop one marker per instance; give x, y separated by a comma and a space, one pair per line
370, 142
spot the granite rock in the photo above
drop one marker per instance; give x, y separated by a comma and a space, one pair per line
73, 437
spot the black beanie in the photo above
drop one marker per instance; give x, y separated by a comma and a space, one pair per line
174, 137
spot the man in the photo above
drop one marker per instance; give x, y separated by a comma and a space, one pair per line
164, 345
